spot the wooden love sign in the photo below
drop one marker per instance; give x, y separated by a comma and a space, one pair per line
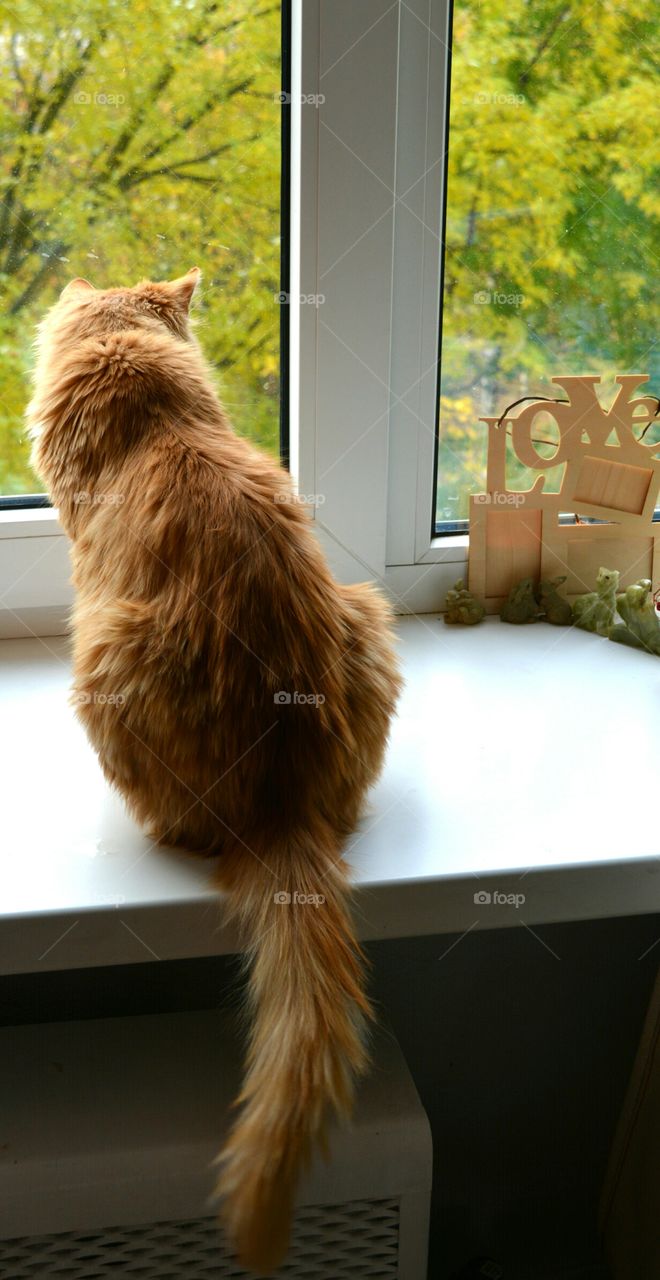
610, 475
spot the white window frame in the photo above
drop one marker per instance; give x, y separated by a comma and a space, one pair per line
367, 377
367, 173
35, 589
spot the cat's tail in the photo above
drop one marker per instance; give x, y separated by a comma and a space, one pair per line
307, 1039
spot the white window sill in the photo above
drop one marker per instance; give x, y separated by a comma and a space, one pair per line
29, 522
35, 573
522, 761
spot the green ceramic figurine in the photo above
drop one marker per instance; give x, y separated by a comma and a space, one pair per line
554, 607
462, 607
521, 605
641, 626
596, 610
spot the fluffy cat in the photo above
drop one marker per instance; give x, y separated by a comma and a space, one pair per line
237, 696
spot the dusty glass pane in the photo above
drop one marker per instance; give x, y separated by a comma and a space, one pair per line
552, 240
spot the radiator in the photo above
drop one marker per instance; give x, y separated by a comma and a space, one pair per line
107, 1133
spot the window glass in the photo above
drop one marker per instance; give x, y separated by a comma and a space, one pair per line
138, 140
551, 240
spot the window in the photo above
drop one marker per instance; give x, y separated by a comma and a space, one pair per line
551, 231
548, 198
138, 140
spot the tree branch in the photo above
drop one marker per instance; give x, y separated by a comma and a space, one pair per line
137, 118
543, 43
65, 84
39, 280
16, 66
159, 84
191, 120
206, 36
135, 177
21, 180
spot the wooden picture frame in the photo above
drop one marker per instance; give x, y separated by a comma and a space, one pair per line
610, 476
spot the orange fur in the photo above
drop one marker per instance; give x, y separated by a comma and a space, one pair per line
201, 592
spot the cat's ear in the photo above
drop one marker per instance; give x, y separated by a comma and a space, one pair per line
185, 286
75, 286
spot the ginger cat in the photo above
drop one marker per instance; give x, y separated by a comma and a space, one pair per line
237, 696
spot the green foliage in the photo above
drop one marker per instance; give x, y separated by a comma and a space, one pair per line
552, 232
139, 140
144, 138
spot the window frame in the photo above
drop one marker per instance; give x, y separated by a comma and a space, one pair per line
377, 488
369, 94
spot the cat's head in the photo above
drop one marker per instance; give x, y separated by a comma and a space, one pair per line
112, 363
607, 579
638, 593
85, 312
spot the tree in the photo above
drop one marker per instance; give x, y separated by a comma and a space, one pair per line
140, 140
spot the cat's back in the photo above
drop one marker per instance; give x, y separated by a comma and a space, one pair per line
202, 549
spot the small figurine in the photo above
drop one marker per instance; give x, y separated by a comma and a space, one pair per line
641, 626
555, 608
461, 606
521, 605
596, 610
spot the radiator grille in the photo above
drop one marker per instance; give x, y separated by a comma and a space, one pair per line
337, 1242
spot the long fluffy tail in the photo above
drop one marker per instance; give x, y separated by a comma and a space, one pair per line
307, 1040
